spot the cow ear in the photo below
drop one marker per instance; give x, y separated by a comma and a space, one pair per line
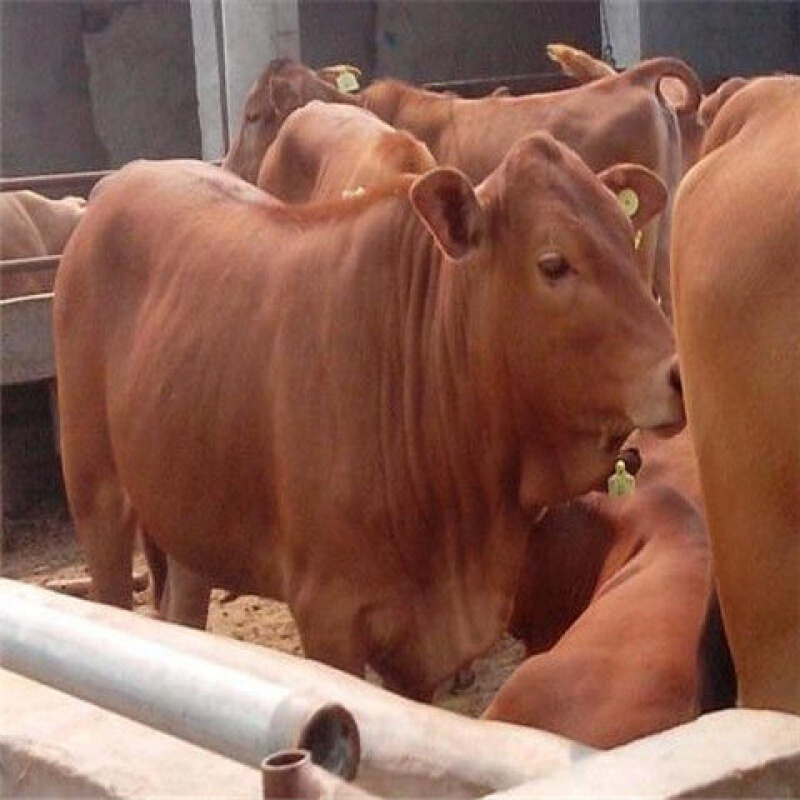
640, 192
283, 96
445, 201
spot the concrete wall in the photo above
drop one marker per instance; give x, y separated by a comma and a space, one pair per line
92, 85
338, 31
142, 82
45, 109
724, 38
433, 41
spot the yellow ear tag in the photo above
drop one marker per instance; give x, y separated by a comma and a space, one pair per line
629, 201
346, 82
637, 240
621, 483
357, 192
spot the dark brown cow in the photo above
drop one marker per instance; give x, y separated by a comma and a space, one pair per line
611, 606
358, 406
284, 86
737, 289
326, 149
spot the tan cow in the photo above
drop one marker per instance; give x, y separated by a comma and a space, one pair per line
32, 225
737, 289
684, 99
284, 86
611, 606
358, 406
325, 149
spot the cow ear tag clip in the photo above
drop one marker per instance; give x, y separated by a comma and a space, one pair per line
621, 483
346, 81
629, 201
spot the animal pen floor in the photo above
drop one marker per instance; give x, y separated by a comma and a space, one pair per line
42, 547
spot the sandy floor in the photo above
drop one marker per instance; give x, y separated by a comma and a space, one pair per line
43, 547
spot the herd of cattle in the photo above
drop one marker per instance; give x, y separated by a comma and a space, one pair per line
379, 364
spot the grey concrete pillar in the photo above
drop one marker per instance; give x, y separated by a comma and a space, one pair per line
253, 33
622, 32
208, 61
234, 40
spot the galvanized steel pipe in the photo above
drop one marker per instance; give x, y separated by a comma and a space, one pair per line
52, 639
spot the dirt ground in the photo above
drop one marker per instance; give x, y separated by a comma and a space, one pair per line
42, 547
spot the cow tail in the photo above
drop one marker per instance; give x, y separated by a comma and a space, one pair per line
578, 64
717, 686
654, 71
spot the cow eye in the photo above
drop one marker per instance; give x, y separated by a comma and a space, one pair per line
252, 116
553, 265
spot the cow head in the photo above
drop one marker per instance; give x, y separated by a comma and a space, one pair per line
284, 86
566, 342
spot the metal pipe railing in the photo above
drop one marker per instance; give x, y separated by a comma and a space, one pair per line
15, 266
57, 185
407, 749
49, 638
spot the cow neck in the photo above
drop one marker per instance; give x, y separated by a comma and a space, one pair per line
453, 446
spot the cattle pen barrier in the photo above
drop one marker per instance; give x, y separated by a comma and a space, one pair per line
247, 700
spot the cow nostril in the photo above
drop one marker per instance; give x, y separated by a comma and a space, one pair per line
674, 376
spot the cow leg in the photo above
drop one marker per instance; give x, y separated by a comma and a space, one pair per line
106, 525
186, 596
329, 634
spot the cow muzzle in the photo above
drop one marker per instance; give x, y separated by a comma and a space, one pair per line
657, 403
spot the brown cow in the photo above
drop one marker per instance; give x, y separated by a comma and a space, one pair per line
737, 290
325, 149
611, 606
614, 119
321, 151
586, 68
32, 225
357, 406
284, 86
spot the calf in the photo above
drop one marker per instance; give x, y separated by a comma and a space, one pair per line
285, 85
325, 149
32, 225
356, 407
611, 606
737, 287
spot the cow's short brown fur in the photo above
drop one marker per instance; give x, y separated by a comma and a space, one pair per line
326, 149
737, 290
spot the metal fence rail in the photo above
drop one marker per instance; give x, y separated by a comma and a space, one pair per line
58, 185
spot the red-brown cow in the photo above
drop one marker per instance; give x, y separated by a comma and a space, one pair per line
737, 289
586, 68
611, 605
357, 406
620, 118
284, 86
325, 149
